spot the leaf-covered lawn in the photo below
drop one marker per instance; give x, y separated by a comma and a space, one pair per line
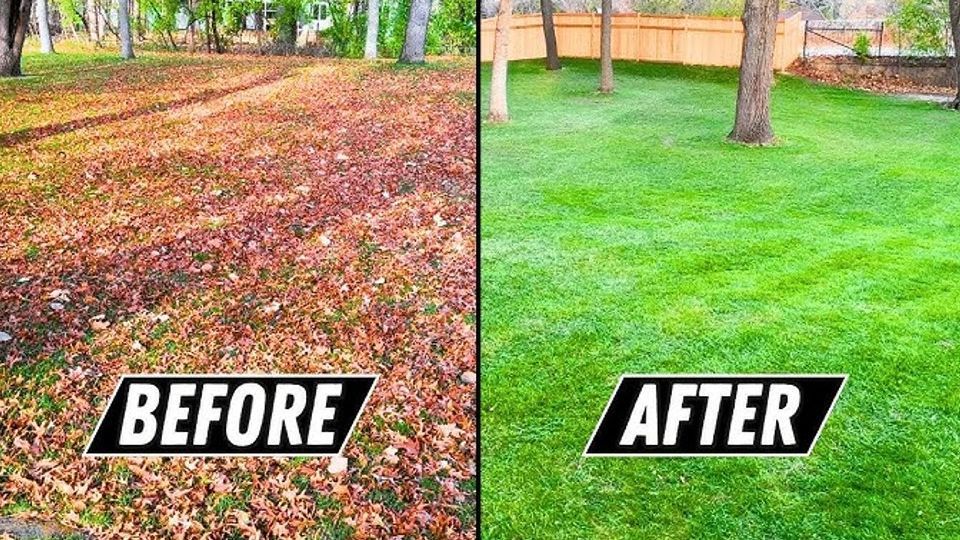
623, 234
184, 214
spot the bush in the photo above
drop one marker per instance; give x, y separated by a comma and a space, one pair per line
861, 45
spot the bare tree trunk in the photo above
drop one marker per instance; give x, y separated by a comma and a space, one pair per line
415, 42
373, 29
14, 17
955, 31
43, 25
606, 53
126, 39
218, 40
549, 34
93, 22
501, 56
752, 123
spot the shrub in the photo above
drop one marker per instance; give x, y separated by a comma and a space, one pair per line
861, 45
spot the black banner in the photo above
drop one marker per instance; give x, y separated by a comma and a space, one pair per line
715, 415
220, 415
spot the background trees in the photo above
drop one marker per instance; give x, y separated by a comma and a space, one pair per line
349, 28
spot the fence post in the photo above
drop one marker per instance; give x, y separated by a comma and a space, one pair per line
880, 46
806, 25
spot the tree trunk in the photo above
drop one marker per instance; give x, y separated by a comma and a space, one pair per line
373, 29
606, 53
14, 16
752, 125
955, 31
501, 56
549, 35
217, 40
126, 38
43, 25
415, 43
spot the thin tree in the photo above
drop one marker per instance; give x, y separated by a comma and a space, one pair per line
126, 38
14, 16
955, 31
606, 52
752, 124
94, 23
415, 41
501, 56
373, 29
549, 34
43, 26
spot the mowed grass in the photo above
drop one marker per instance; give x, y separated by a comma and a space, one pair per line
624, 234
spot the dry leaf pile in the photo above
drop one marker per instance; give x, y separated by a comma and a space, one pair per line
241, 215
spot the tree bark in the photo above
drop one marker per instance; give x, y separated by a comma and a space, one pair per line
14, 16
126, 38
501, 56
373, 29
549, 34
43, 25
606, 52
752, 124
94, 26
955, 31
415, 42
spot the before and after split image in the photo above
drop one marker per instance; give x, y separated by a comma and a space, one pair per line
507, 269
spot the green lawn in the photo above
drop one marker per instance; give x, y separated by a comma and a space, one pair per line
623, 234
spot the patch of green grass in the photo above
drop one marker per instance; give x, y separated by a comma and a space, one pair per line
403, 428
624, 234
96, 519
386, 497
431, 487
329, 529
326, 502
225, 503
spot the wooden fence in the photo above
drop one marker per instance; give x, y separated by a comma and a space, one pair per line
707, 41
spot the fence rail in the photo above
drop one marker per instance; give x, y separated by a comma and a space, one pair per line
708, 41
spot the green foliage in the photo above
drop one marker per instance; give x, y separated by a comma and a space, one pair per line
861, 45
393, 26
161, 15
235, 14
289, 13
346, 36
452, 28
71, 12
921, 25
